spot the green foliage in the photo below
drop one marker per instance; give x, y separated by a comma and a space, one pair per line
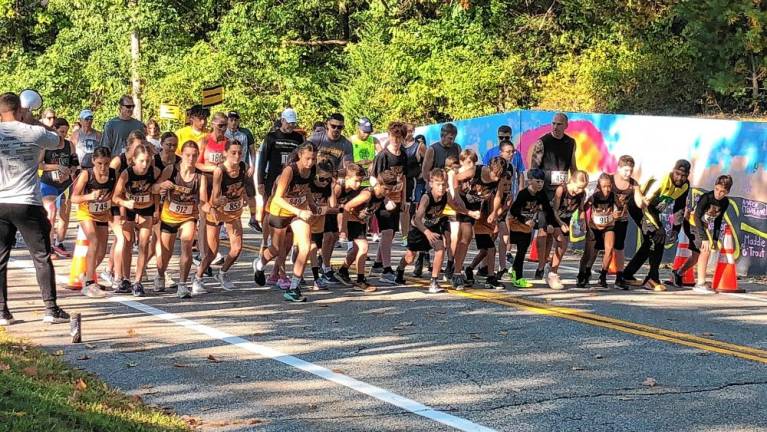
419, 60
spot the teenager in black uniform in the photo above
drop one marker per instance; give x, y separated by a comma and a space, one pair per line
392, 158
324, 192
138, 209
291, 207
554, 153
92, 192
426, 231
568, 199
166, 157
357, 211
523, 216
601, 231
628, 200
702, 228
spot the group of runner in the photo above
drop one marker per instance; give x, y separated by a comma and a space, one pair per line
150, 189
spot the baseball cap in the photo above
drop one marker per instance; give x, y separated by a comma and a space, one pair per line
233, 115
365, 125
84, 114
682, 165
289, 115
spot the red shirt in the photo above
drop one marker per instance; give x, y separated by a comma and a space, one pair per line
214, 150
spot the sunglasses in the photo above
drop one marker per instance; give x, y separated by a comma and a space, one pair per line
557, 124
504, 137
324, 179
336, 127
220, 125
129, 106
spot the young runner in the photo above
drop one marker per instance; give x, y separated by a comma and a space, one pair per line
325, 198
426, 230
291, 207
92, 192
702, 228
166, 157
601, 211
627, 197
224, 208
568, 199
138, 209
181, 183
357, 211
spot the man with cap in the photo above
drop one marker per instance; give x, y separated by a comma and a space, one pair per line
116, 130
196, 129
364, 144
658, 196
21, 206
86, 138
273, 156
243, 135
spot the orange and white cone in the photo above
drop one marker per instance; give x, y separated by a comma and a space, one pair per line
682, 254
533, 255
79, 262
726, 275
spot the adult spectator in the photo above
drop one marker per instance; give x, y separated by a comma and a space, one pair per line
153, 134
554, 153
331, 144
48, 117
21, 208
197, 117
235, 132
117, 129
437, 153
364, 144
86, 138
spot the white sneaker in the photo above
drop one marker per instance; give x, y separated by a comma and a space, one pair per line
404, 241
197, 286
107, 277
704, 289
554, 281
376, 238
169, 282
183, 291
223, 278
218, 260
159, 283
93, 290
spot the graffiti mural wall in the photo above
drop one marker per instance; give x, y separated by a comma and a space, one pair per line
713, 146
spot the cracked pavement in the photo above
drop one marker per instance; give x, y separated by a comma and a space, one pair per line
497, 366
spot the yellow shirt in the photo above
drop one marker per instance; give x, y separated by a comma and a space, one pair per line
187, 133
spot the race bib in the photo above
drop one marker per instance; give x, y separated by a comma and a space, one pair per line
55, 176
233, 206
140, 199
97, 207
602, 219
215, 158
181, 208
297, 201
284, 158
558, 177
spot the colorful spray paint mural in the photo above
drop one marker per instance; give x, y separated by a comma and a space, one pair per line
713, 146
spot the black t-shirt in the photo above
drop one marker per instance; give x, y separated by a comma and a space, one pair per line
557, 156
527, 205
624, 197
387, 161
569, 203
274, 155
65, 157
433, 215
709, 213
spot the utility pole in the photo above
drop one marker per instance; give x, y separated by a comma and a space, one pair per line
135, 54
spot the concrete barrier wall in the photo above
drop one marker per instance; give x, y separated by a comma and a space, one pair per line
713, 146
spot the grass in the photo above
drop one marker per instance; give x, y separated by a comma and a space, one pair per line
41, 393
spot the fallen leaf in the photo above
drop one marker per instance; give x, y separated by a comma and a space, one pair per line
577, 368
58, 353
20, 414
707, 334
181, 365
213, 359
83, 357
90, 346
475, 336
80, 385
132, 333
146, 386
4, 367
406, 324
29, 371
503, 333
131, 365
649, 382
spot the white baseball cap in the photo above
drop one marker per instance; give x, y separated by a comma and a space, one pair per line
84, 114
289, 115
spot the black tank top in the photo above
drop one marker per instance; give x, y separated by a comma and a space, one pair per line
441, 153
413, 165
298, 189
434, 208
557, 154
321, 194
602, 207
123, 163
347, 195
93, 185
623, 197
62, 157
161, 165
138, 187
569, 203
184, 192
475, 190
233, 187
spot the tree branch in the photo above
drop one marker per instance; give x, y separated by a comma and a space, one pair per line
336, 42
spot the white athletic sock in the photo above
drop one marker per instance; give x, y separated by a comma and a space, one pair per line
294, 282
260, 264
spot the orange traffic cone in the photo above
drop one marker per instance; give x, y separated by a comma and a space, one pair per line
613, 269
533, 255
77, 270
726, 276
682, 253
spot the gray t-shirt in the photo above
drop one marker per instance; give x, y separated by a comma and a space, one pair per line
335, 151
21, 149
86, 143
116, 133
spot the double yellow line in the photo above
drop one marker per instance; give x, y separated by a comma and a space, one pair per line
656, 333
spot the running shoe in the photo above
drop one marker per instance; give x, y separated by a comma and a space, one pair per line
418, 267
196, 259
458, 282
159, 283
602, 282
223, 278
343, 276
138, 290
509, 258
284, 283
319, 285
676, 279
651, 285
621, 283
388, 279
492, 283
93, 290
469, 281
169, 282
400, 280
330, 278
107, 277
508, 276
554, 281
6, 318
61, 251
55, 315
376, 238
404, 241
197, 286
218, 260
434, 287
522, 283
364, 286
182, 291
294, 296
482, 272
253, 223
539, 273
704, 289
124, 287
376, 270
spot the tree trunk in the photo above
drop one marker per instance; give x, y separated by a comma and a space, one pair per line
135, 55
